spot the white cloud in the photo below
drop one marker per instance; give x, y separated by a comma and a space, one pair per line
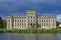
59, 17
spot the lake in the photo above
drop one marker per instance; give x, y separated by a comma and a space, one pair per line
30, 36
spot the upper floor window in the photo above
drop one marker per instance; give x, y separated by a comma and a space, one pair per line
30, 17
53, 20
20, 20
33, 20
42, 20
9, 20
34, 17
20, 23
49, 20
28, 20
15, 20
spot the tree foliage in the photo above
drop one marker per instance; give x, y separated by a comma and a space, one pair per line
4, 23
57, 24
1, 23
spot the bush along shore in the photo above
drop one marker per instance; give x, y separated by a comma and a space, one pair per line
31, 31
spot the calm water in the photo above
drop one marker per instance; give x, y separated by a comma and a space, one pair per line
30, 36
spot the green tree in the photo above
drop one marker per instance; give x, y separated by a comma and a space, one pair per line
4, 23
1, 23
57, 24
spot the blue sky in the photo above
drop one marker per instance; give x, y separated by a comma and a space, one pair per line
19, 7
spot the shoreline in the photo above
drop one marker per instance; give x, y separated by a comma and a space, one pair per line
31, 31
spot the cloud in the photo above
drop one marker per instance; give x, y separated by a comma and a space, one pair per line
59, 17
19, 6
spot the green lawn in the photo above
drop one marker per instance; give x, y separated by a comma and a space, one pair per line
32, 31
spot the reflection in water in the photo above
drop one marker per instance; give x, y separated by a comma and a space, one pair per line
30, 36
41, 37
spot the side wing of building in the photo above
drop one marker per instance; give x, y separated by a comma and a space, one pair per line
46, 22
16, 22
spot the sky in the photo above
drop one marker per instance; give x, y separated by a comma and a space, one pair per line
19, 7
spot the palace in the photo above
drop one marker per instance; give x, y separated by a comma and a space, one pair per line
31, 21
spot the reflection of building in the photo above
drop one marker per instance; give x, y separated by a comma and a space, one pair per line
31, 20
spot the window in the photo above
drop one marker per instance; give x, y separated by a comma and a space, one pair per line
49, 20
20, 23
42, 20
20, 20
46, 20
15, 20
28, 17
53, 20
53, 24
25, 24
33, 20
28, 24
49, 24
9, 20
31, 17
28, 20
42, 24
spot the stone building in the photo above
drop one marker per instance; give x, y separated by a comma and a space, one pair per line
31, 20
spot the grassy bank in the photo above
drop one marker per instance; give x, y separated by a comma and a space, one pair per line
32, 31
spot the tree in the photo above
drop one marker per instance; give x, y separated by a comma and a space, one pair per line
4, 23
1, 23
57, 24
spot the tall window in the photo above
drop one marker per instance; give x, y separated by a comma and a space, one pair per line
15, 20
34, 17
49, 24
28, 20
28, 17
20, 20
49, 20
53, 20
31, 20
9, 20
31, 17
42, 20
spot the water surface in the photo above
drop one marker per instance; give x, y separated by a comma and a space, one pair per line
30, 36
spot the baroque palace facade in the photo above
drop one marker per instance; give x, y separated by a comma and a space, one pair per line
31, 20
